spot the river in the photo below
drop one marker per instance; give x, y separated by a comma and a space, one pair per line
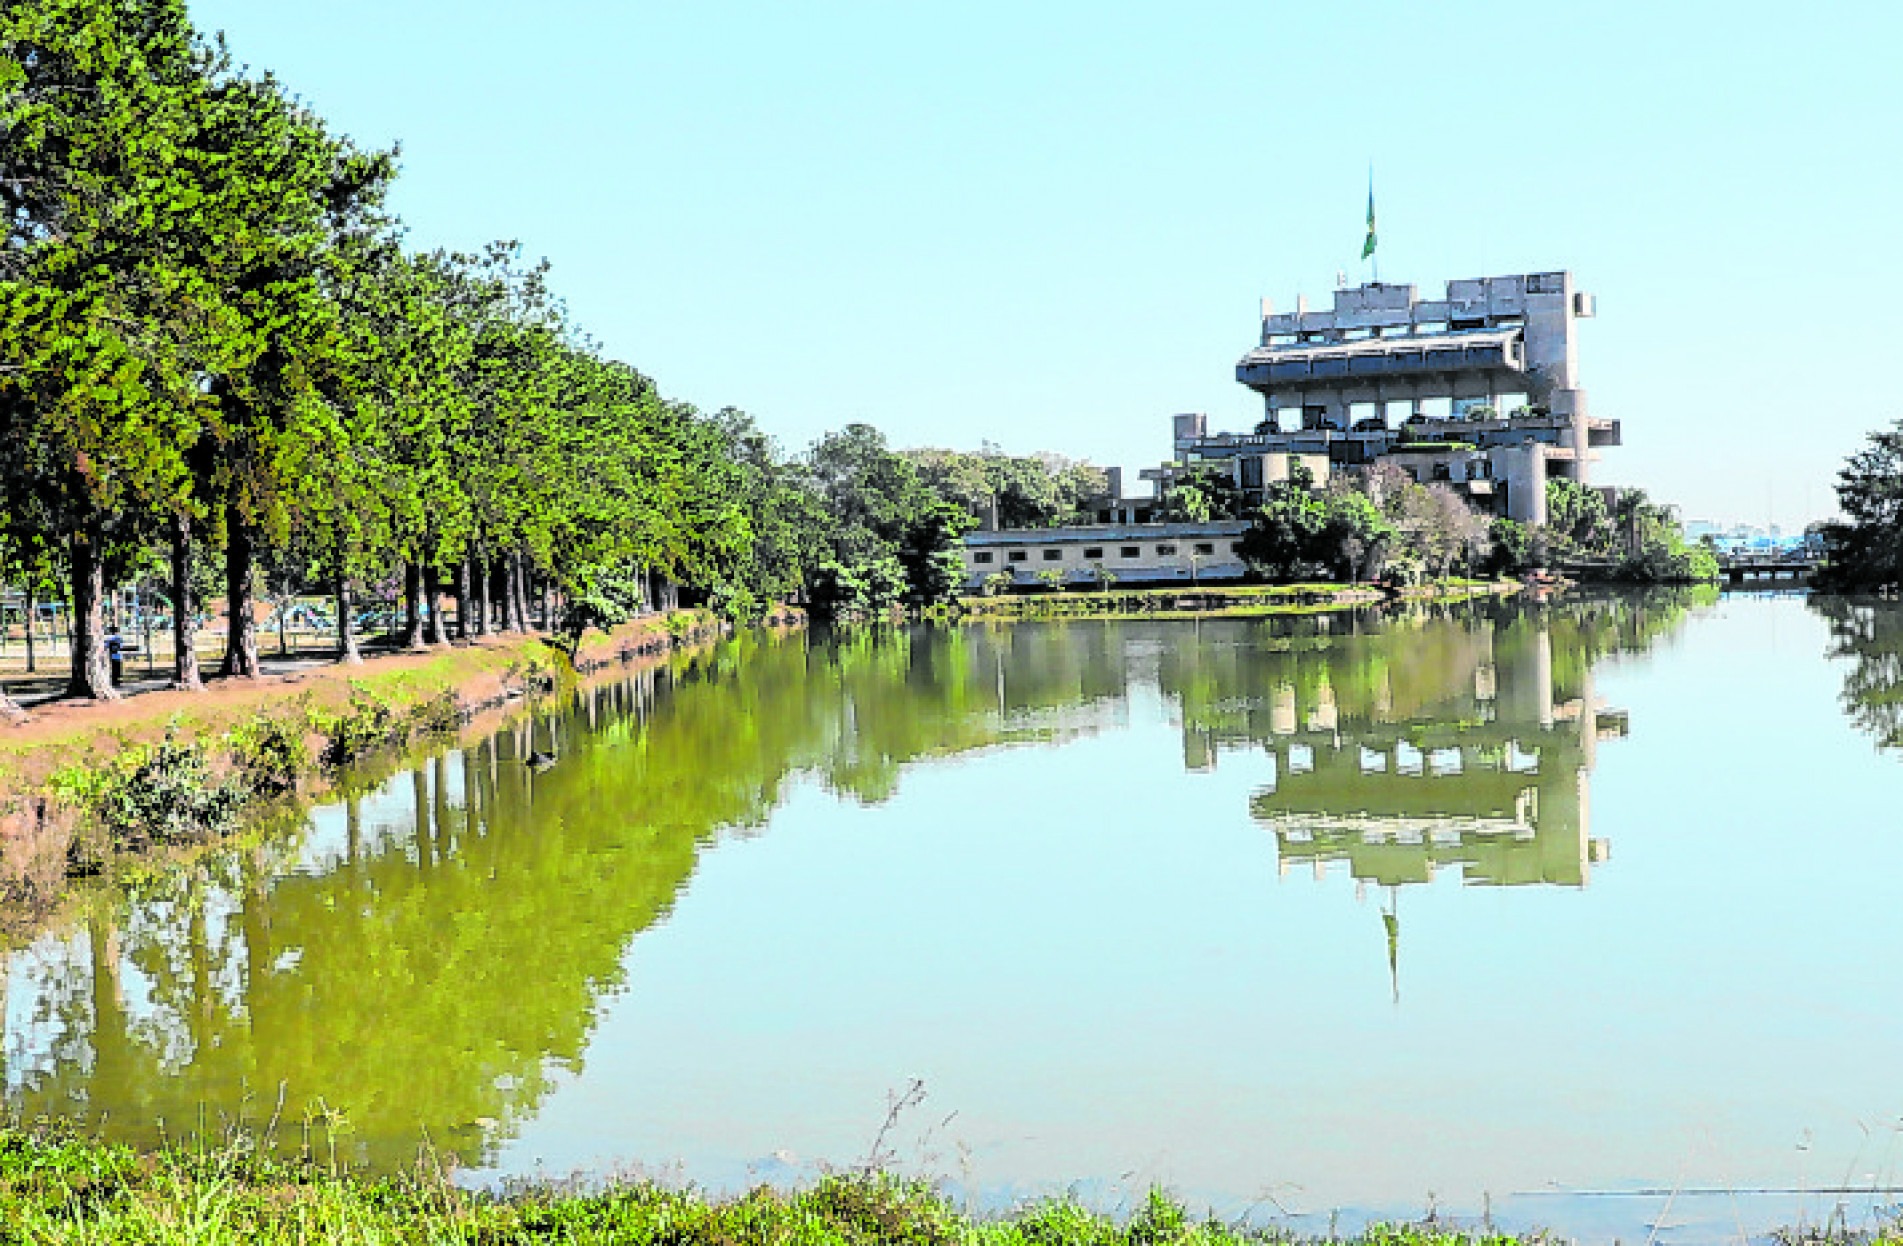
1577, 915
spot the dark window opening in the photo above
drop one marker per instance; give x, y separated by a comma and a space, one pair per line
1130, 551
1016, 555
981, 558
1052, 555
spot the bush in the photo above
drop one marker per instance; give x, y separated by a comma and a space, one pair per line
159, 793
270, 753
367, 723
441, 714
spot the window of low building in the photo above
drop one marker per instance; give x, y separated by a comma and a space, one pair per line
1166, 549
1016, 555
1130, 551
1053, 555
1093, 552
1205, 547
982, 557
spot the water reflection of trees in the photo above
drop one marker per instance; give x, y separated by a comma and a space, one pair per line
1867, 635
429, 956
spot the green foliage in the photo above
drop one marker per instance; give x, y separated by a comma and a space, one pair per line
1576, 517
59, 1189
1341, 534
1204, 493
153, 794
892, 539
366, 724
1864, 552
1511, 547
438, 715
271, 752
1034, 491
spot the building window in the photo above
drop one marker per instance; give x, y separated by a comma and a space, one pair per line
1235, 547
1205, 547
1130, 551
1016, 555
982, 557
1094, 552
1052, 555
1166, 549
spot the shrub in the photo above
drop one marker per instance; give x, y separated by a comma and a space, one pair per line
437, 715
159, 793
270, 754
367, 723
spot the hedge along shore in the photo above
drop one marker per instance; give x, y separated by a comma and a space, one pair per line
243, 746
1223, 601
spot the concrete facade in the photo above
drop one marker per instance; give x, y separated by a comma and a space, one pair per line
1479, 389
1172, 553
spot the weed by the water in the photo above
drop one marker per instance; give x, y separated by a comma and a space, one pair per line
152, 794
365, 724
270, 752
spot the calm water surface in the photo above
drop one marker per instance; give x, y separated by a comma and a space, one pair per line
1555, 911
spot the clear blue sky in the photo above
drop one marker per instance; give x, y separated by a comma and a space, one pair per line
1048, 225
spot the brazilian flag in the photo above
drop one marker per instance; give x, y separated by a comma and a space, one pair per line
1367, 248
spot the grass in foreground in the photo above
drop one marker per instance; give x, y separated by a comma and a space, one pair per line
59, 1190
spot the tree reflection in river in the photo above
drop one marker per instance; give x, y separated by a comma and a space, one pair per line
1867, 634
428, 957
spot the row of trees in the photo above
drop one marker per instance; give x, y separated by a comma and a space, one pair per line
215, 349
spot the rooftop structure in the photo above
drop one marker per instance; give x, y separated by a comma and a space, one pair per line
1479, 389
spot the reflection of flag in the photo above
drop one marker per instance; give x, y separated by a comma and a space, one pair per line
1367, 248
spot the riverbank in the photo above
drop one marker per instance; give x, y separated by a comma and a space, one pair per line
88, 787
1222, 601
71, 1190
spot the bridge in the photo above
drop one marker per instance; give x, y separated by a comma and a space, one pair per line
1767, 569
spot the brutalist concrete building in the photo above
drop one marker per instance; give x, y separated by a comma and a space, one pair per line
1479, 389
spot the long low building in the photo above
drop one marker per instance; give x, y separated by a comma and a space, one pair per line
1162, 553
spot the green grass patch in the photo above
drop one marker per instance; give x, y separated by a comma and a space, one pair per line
65, 1190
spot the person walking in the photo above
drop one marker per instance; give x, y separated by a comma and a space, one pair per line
116, 654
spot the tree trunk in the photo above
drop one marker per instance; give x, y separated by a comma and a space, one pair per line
91, 670
505, 593
479, 582
32, 617
184, 610
412, 606
241, 626
433, 595
519, 588
462, 600
347, 651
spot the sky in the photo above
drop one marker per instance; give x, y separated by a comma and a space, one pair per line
1049, 226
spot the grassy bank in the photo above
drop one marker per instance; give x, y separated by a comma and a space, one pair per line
1228, 600
66, 1190
86, 787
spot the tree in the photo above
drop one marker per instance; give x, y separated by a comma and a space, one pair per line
1865, 552
1576, 516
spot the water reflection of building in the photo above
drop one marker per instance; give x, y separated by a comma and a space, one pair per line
1407, 751
1500, 792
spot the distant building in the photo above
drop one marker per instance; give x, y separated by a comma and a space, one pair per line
1166, 553
1479, 390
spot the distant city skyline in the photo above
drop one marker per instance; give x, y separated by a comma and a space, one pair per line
1050, 227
